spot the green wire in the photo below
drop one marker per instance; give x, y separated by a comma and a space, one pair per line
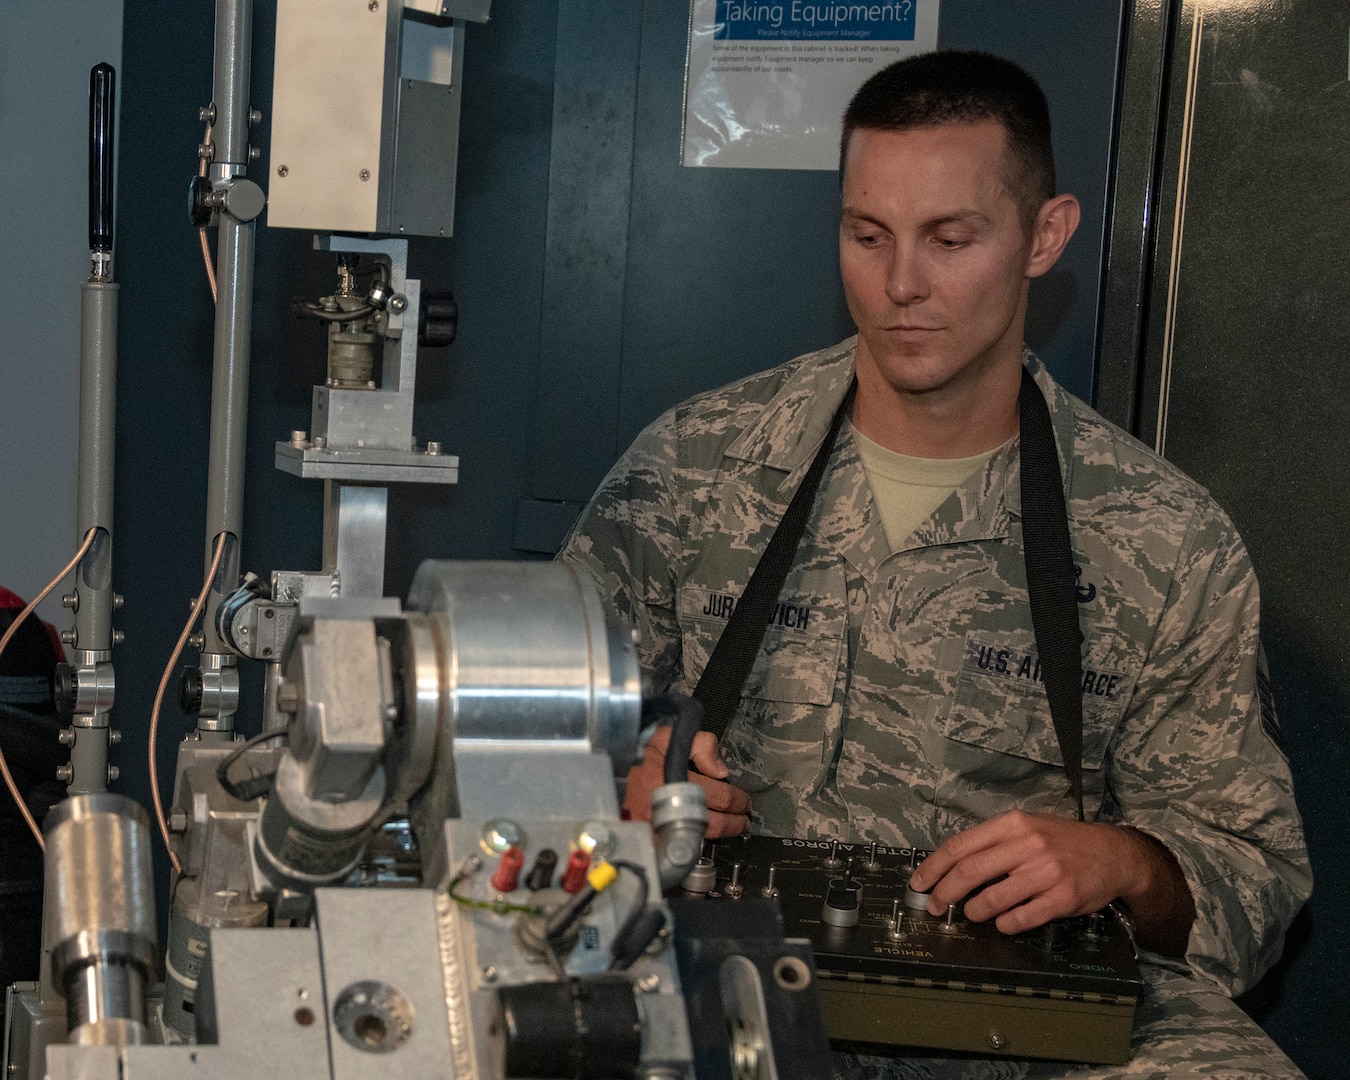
500, 907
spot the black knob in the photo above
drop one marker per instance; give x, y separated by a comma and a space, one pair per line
190, 691
199, 202
541, 874
438, 318
65, 689
102, 87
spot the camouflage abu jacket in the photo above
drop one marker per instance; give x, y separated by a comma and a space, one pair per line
896, 696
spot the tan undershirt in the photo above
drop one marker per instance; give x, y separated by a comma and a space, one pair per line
908, 489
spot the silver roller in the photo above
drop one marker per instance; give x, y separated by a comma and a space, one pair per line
529, 659
103, 941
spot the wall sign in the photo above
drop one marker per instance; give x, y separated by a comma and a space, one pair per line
767, 81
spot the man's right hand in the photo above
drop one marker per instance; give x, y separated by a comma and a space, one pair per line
728, 807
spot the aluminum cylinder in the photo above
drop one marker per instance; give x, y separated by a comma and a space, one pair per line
100, 915
529, 659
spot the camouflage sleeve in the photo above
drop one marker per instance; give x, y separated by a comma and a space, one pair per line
628, 539
1198, 765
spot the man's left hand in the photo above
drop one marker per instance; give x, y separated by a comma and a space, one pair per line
1037, 867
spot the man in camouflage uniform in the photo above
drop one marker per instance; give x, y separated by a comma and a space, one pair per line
897, 695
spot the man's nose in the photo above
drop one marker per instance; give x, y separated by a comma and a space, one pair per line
906, 278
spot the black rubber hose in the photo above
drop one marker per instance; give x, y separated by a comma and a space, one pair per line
686, 716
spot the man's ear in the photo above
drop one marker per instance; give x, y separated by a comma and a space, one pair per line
1056, 222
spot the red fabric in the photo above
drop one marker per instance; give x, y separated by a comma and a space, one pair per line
16, 603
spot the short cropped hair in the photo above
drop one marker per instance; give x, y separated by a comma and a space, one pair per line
956, 87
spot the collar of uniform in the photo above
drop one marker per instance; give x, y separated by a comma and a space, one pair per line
792, 426
984, 507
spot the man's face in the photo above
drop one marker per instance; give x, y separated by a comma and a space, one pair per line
934, 257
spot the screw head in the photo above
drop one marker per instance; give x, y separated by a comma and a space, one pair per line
69, 637
398, 303
649, 983
364, 174
282, 170
66, 736
196, 640
997, 1041
118, 637
374, 5
114, 774
489, 972
71, 600
65, 773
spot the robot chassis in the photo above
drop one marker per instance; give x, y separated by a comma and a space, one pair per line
353, 903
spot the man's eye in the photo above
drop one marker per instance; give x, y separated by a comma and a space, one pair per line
951, 243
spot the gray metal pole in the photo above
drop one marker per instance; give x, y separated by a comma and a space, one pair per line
93, 598
229, 393
94, 497
231, 80
234, 325
87, 687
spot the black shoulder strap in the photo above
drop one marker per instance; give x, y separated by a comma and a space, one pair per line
1050, 583
1050, 579
719, 687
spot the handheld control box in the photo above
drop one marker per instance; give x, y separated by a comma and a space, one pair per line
894, 975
